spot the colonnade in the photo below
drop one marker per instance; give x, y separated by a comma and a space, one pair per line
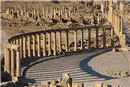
46, 13
117, 23
30, 45
115, 19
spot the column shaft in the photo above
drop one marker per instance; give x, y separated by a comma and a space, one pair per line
104, 38
44, 44
17, 40
21, 47
112, 36
96, 38
54, 35
25, 46
119, 25
66, 41
121, 33
89, 38
18, 64
60, 48
12, 64
5, 55
39, 48
8, 61
34, 46
75, 40
29, 46
49, 43
14, 41
82, 37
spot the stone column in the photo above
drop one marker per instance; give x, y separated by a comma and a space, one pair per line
29, 46
27, 14
51, 13
18, 64
70, 14
113, 19
66, 40
75, 40
43, 12
21, 47
82, 37
39, 43
61, 14
60, 48
104, 37
14, 41
8, 61
115, 22
112, 36
54, 35
7, 11
66, 15
65, 9
34, 46
44, 44
17, 40
119, 25
46, 13
21, 12
89, 38
24, 46
96, 38
121, 32
12, 63
5, 61
54, 13
74, 10
34, 14
49, 43
17, 13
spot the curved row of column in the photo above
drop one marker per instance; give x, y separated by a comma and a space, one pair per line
117, 22
31, 46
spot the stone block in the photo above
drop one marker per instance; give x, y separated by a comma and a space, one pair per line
45, 83
123, 40
105, 85
59, 80
124, 74
113, 49
53, 81
77, 85
66, 76
52, 85
98, 84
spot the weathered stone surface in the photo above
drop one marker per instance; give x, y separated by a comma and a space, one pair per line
77, 85
124, 74
53, 81
123, 40
45, 83
59, 80
98, 84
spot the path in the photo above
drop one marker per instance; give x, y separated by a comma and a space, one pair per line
87, 68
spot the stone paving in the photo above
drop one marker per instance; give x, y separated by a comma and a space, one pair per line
82, 67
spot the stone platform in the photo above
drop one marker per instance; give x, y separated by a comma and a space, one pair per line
83, 67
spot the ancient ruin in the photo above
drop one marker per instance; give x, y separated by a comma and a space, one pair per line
83, 26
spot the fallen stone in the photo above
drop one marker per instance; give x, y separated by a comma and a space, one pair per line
45, 83
53, 81
77, 85
59, 80
124, 74
98, 84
